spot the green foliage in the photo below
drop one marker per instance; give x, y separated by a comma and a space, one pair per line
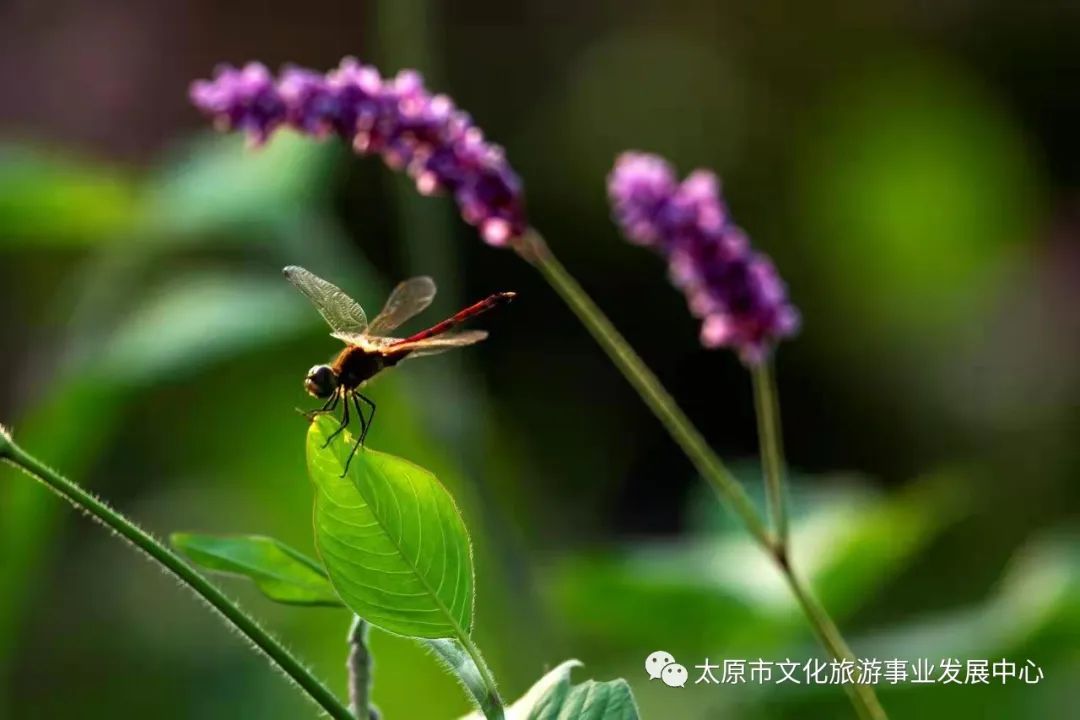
124, 330
553, 697
391, 539
919, 178
287, 576
280, 572
717, 589
216, 184
1033, 611
209, 319
913, 187
48, 198
590, 700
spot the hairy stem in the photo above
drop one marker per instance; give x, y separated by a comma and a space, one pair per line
359, 667
533, 249
491, 704
772, 447
159, 553
456, 658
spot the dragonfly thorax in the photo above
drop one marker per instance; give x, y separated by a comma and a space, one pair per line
355, 365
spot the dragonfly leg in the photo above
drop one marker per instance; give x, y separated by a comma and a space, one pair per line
370, 419
363, 421
344, 424
328, 407
364, 424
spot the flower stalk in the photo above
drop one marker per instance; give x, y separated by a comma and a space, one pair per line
140, 539
770, 438
767, 407
534, 249
863, 698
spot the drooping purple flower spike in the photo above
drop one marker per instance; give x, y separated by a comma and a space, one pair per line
737, 292
244, 99
425, 135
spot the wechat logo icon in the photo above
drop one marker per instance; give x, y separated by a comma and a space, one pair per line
661, 666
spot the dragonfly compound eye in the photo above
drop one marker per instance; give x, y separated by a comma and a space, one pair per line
320, 381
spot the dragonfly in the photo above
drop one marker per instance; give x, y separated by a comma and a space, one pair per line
369, 349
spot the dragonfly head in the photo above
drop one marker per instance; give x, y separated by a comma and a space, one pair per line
321, 381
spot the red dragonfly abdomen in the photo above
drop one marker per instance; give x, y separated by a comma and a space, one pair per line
488, 303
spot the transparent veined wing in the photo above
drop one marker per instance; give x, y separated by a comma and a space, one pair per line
340, 311
442, 343
409, 298
366, 341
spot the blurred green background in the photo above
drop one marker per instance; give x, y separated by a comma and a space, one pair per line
912, 167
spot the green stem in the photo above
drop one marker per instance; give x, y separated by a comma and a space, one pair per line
862, 696
359, 666
142, 540
491, 705
772, 447
533, 249
456, 658
767, 405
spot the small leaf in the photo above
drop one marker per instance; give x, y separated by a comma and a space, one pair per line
591, 700
391, 539
283, 574
554, 698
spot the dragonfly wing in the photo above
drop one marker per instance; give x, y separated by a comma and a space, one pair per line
340, 311
442, 343
368, 342
409, 298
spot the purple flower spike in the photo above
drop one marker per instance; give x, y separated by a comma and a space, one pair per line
246, 100
640, 188
738, 293
398, 119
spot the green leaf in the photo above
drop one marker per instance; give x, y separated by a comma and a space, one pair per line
49, 198
215, 183
554, 698
391, 539
1036, 604
591, 700
210, 316
283, 574
717, 588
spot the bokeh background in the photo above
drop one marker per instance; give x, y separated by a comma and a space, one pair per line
912, 167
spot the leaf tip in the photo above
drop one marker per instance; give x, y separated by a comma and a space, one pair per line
319, 428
